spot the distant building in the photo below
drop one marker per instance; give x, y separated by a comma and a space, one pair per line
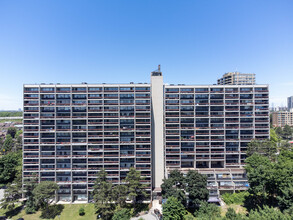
282, 118
237, 78
290, 103
278, 108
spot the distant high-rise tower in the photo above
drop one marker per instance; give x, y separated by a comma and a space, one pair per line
290, 103
237, 78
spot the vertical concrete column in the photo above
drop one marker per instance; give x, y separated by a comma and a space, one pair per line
157, 93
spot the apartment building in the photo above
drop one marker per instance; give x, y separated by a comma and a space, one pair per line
72, 131
237, 78
282, 118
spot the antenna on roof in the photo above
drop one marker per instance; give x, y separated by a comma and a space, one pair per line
159, 68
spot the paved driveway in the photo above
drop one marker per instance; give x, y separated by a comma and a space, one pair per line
148, 216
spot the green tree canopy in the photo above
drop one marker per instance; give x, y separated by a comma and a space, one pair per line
196, 187
13, 192
120, 195
134, 187
267, 148
287, 132
9, 166
12, 131
121, 214
192, 187
44, 192
173, 209
103, 196
8, 144
267, 213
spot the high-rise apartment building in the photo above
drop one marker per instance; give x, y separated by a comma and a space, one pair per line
237, 78
72, 131
282, 118
290, 103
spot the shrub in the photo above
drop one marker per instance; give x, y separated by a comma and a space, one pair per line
52, 211
235, 198
189, 216
81, 211
208, 211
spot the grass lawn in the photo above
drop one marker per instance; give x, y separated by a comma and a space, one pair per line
70, 212
237, 208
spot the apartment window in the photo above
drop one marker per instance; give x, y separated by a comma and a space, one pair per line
172, 90
111, 89
31, 89
63, 96
139, 89
201, 89
95, 89
79, 89
186, 90
47, 89
123, 89
63, 89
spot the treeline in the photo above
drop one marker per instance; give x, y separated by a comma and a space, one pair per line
10, 113
111, 201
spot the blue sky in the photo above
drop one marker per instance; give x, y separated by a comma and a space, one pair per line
121, 41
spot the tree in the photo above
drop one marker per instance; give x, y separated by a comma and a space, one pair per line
208, 211
12, 193
260, 176
279, 131
29, 186
134, 187
274, 137
285, 199
121, 214
120, 195
174, 186
267, 148
173, 209
9, 166
196, 187
103, 196
44, 192
270, 181
169, 188
287, 132
8, 144
268, 213
18, 141
12, 131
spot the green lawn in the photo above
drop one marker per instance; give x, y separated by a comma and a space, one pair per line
70, 212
